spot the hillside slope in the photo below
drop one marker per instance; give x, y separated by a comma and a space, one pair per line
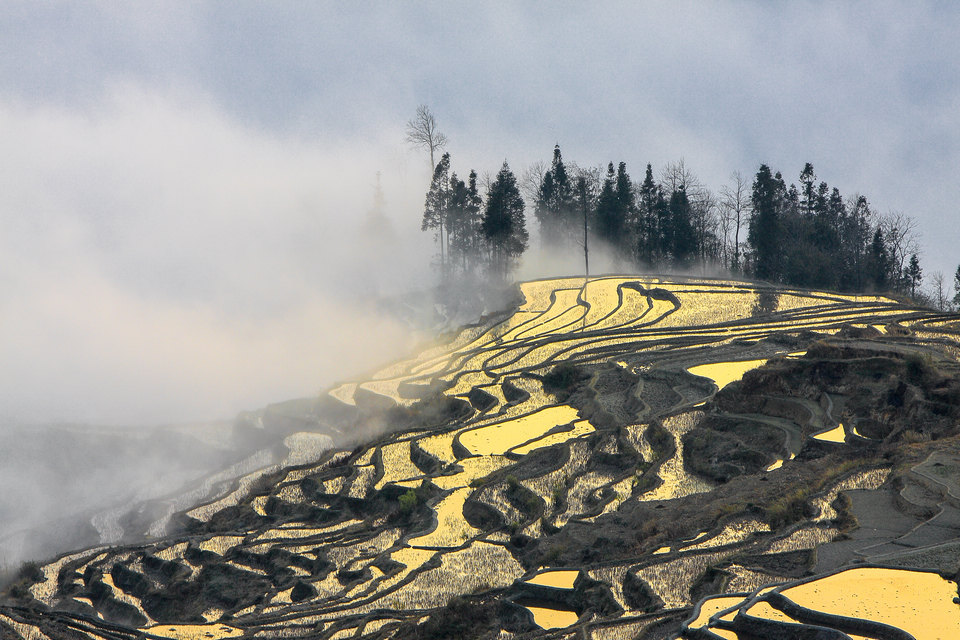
601, 462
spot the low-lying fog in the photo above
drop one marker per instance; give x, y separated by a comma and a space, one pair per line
162, 264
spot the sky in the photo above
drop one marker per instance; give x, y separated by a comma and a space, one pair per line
183, 185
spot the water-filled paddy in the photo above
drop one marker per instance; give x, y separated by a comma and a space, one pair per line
547, 618
917, 602
562, 579
837, 434
723, 373
194, 631
497, 439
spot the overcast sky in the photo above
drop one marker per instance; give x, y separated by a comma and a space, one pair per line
181, 183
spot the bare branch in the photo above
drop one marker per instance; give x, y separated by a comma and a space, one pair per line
531, 179
422, 132
900, 232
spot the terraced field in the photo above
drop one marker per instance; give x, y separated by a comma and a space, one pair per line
618, 458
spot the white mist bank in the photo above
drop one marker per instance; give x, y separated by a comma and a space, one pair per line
161, 262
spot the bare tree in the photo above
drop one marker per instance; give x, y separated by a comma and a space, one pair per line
735, 203
675, 175
900, 233
531, 179
422, 132
939, 291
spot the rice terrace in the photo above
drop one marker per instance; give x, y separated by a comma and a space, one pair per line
618, 457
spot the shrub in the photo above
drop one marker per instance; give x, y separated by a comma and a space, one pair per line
564, 378
408, 501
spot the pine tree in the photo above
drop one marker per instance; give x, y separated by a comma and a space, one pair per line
458, 231
648, 226
914, 275
472, 222
549, 222
956, 289
626, 209
555, 210
764, 235
855, 242
563, 193
684, 247
807, 179
609, 223
503, 225
436, 206
879, 261
583, 204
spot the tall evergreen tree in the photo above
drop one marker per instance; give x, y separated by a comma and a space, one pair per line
472, 222
764, 235
956, 288
914, 274
808, 196
555, 210
582, 192
879, 267
503, 224
684, 240
626, 210
855, 244
648, 224
458, 228
436, 206
609, 220
550, 223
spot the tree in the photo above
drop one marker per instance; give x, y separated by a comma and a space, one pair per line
734, 203
939, 291
855, 241
914, 274
879, 262
807, 179
458, 230
503, 225
422, 132
531, 179
609, 221
764, 235
956, 288
899, 230
626, 209
555, 203
436, 206
583, 204
684, 245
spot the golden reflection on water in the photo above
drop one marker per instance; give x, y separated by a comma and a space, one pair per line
917, 602
562, 579
723, 373
499, 438
547, 618
775, 465
473, 468
712, 606
193, 631
836, 434
580, 428
452, 528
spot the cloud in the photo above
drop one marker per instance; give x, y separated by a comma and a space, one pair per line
161, 262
